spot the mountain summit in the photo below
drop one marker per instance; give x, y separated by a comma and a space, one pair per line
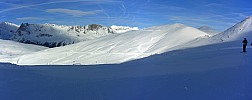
238, 31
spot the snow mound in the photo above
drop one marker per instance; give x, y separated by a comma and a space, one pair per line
7, 30
10, 49
52, 35
123, 29
117, 48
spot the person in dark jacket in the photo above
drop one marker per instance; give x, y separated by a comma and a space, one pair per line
244, 43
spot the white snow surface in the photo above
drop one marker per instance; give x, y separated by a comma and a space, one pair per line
123, 29
10, 49
7, 30
116, 48
212, 72
217, 71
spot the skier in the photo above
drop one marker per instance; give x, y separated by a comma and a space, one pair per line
244, 43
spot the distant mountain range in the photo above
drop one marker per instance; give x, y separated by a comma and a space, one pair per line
52, 35
122, 29
114, 48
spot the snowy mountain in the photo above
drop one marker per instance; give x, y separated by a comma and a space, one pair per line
237, 32
52, 35
7, 30
116, 48
234, 34
208, 30
133, 45
210, 72
213, 72
123, 29
10, 49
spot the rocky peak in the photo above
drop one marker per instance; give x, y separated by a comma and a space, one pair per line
52, 35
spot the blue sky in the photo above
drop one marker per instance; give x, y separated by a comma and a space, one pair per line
219, 14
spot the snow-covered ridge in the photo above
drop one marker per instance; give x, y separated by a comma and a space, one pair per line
10, 24
237, 32
122, 29
116, 48
52, 35
7, 30
132, 45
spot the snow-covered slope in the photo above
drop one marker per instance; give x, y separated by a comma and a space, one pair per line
237, 32
212, 72
116, 48
7, 30
52, 35
123, 29
208, 30
10, 49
